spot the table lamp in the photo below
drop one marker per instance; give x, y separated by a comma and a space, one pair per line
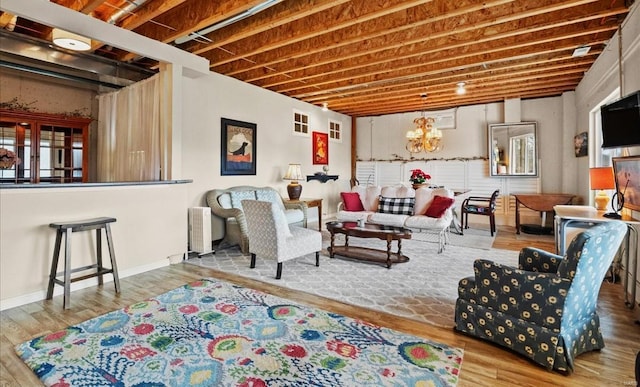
294, 173
601, 179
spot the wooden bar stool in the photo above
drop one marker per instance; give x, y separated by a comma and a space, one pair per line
66, 229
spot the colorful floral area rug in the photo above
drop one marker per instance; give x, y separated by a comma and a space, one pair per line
210, 333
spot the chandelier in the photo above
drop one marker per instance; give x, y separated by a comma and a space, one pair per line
425, 137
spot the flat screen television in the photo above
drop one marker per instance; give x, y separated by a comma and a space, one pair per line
621, 122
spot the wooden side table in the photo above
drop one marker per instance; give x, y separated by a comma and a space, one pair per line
311, 202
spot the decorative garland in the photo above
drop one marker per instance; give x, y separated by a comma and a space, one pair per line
403, 160
16, 105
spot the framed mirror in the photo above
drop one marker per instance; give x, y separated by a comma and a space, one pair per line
513, 149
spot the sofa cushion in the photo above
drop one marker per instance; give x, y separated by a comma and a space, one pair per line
352, 201
399, 206
369, 196
389, 219
269, 195
439, 206
225, 200
423, 222
238, 196
352, 216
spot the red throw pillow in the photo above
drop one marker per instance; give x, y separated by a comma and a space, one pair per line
438, 206
351, 201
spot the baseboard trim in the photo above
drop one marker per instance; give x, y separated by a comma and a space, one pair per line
58, 290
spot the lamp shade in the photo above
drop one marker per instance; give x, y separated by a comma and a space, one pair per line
70, 41
294, 172
602, 178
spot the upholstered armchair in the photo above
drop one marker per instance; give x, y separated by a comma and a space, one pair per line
546, 308
228, 218
271, 237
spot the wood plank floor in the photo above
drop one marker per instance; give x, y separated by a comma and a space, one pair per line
484, 364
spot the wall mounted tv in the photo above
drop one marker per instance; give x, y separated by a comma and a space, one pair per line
621, 122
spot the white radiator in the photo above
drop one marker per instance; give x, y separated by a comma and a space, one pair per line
200, 230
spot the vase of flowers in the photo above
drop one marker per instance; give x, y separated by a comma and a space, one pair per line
419, 178
8, 159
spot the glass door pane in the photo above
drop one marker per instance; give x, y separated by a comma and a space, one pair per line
15, 151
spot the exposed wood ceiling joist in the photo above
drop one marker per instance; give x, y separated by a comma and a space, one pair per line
365, 58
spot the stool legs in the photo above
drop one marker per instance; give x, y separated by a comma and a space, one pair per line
66, 273
99, 255
112, 255
54, 265
67, 269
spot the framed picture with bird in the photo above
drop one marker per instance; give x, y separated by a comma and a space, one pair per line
238, 153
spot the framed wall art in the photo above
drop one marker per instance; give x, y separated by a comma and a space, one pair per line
320, 148
239, 143
581, 144
627, 174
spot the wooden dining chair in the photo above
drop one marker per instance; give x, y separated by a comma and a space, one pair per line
479, 205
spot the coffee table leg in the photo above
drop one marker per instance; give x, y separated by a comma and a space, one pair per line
333, 239
388, 253
399, 248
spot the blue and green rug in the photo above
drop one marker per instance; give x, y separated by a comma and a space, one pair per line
210, 333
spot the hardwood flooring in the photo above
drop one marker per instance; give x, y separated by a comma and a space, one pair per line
484, 364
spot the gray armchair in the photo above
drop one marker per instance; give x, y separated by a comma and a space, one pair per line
546, 308
228, 220
271, 237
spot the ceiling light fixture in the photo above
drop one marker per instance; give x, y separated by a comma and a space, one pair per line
425, 137
581, 51
461, 89
325, 106
70, 41
216, 26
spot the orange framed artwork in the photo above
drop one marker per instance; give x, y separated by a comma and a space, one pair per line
320, 148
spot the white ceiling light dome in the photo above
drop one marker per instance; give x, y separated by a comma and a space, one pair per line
70, 41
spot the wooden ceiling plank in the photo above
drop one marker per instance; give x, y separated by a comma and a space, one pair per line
147, 12
480, 82
425, 47
456, 59
191, 16
457, 101
372, 87
408, 19
498, 85
357, 42
325, 22
276, 16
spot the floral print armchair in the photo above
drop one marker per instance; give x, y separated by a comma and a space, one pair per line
546, 308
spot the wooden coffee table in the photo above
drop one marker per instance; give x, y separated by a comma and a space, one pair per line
369, 230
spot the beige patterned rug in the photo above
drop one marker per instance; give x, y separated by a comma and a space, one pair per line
424, 289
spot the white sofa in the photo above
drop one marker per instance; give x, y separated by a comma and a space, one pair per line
417, 222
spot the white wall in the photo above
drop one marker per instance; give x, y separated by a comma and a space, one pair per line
151, 226
601, 80
469, 138
206, 100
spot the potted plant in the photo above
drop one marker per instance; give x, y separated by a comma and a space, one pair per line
419, 178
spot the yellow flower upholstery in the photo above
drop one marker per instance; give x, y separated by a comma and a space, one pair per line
546, 308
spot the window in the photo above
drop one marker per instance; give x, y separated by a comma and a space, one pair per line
300, 123
335, 131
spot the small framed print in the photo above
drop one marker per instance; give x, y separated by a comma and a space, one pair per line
320, 148
238, 153
581, 144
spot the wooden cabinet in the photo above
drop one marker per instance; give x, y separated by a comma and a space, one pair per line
52, 148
